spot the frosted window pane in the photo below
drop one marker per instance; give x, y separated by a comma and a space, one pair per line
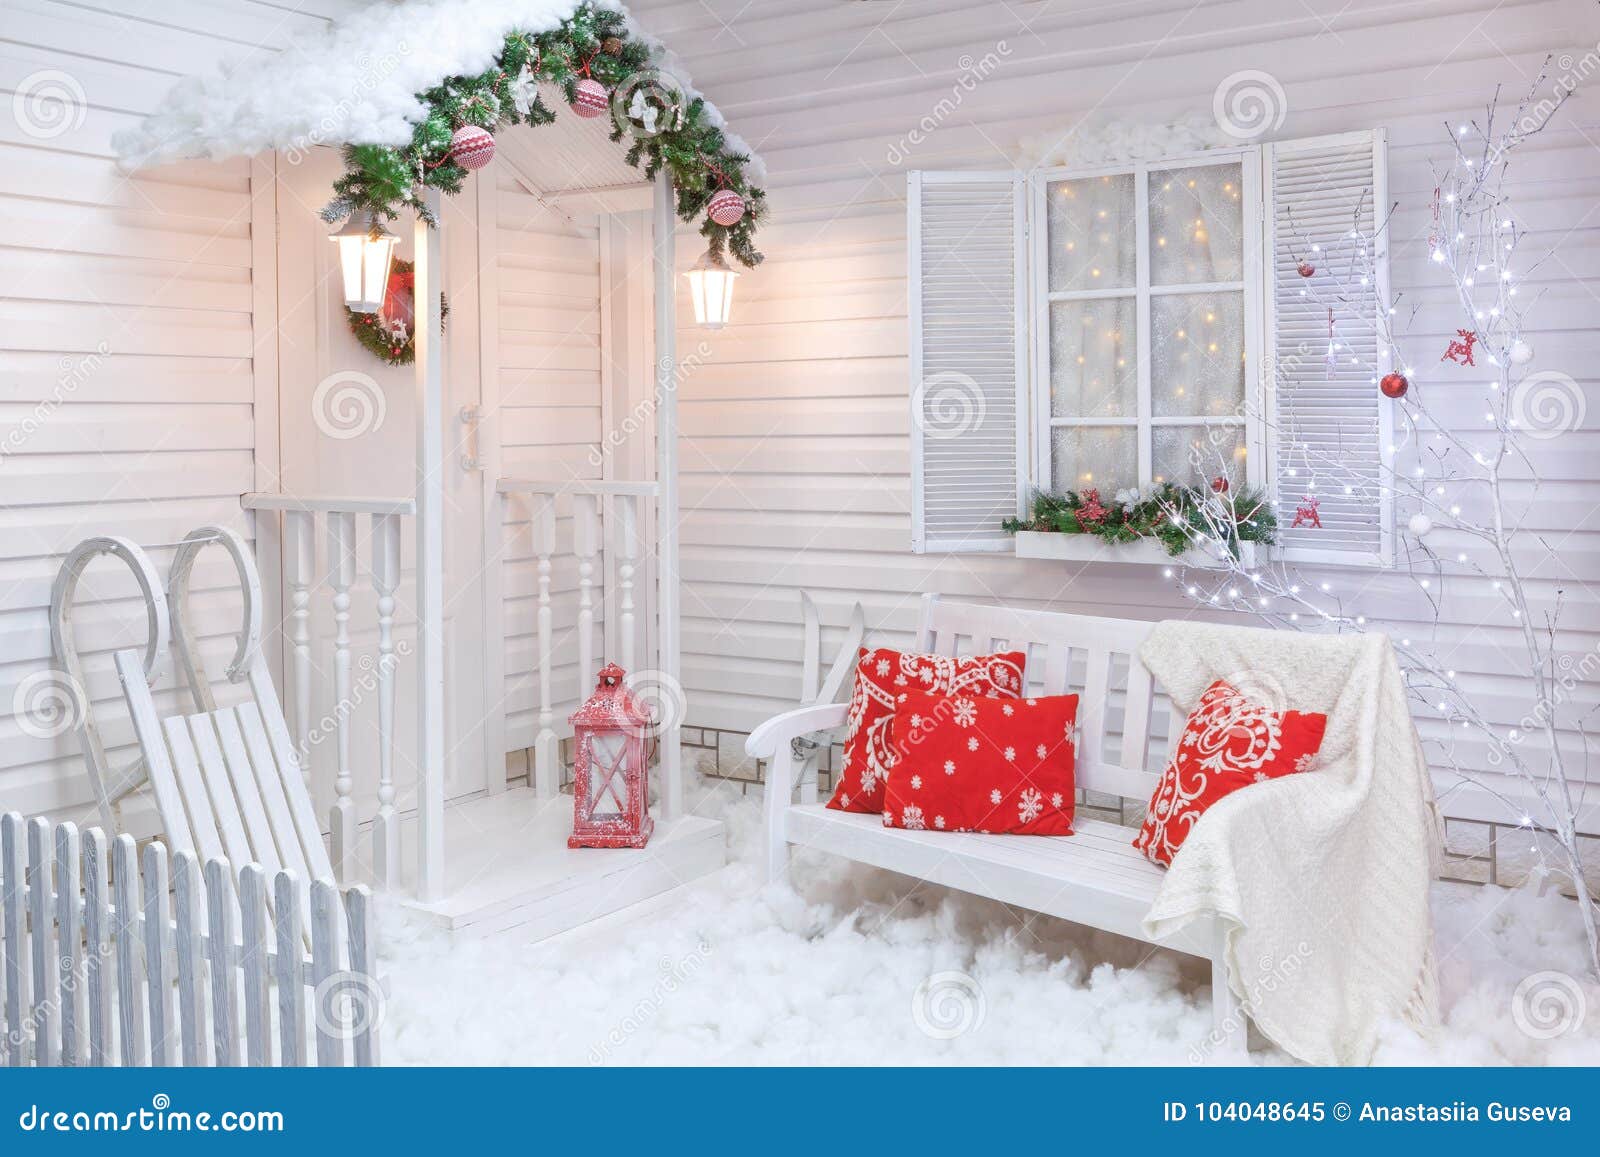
607, 799
1094, 361
1106, 457
1196, 225
1194, 455
1197, 355
1091, 236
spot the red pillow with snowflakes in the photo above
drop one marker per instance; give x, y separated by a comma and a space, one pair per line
973, 764
1229, 742
885, 677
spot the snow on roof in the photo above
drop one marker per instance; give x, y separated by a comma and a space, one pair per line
356, 82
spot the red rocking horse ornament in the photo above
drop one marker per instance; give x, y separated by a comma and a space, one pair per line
1460, 351
1306, 513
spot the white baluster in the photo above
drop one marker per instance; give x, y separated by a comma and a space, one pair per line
385, 577
300, 541
546, 747
342, 567
586, 545
626, 511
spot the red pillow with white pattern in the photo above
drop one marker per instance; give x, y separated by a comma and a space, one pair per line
883, 678
1229, 742
971, 764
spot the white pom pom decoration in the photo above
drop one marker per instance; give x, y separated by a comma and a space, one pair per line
589, 99
725, 207
471, 147
1420, 524
1521, 353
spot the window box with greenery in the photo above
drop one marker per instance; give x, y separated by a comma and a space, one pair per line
1145, 327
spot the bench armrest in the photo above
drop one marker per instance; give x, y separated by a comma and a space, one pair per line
777, 733
773, 741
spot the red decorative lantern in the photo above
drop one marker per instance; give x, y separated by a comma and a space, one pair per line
610, 777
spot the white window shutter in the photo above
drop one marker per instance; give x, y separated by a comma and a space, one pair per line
966, 241
1322, 406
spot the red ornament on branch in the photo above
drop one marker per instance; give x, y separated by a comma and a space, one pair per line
1306, 513
1394, 385
589, 99
1091, 513
471, 147
1219, 484
1460, 350
725, 207
1305, 269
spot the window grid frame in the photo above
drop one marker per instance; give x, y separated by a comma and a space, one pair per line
1251, 288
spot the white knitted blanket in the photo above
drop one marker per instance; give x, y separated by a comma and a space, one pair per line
1323, 877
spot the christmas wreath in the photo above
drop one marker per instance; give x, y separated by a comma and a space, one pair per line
1175, 515
389, 334
598, 66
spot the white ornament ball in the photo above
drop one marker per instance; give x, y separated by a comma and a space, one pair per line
589, 98
471, 147
1420, 524
725, 207
1521, 353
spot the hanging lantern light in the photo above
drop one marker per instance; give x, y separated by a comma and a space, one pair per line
610, 772
365, 251
711, 289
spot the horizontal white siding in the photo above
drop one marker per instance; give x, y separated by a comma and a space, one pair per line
129, 333
796, 456
550, 421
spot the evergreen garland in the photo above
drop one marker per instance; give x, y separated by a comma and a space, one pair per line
1171, 514
594, 41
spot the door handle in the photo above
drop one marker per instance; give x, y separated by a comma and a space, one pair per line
470, 417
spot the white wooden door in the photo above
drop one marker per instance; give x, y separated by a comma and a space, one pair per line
348, 428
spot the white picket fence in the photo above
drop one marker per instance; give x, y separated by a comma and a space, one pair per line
100, 970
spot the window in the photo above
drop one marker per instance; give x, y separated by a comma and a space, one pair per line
1142, 321
1145, 323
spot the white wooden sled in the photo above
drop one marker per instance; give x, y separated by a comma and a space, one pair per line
1093, 877
110, 785
226, 781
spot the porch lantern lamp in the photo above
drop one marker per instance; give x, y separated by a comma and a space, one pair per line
711, 290
365, 251
610, 774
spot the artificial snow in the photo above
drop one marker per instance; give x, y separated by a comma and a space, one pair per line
356, 81
864, 967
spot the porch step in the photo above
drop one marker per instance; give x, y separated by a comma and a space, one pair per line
509, 872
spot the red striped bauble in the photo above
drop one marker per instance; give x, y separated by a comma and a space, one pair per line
725, 207
471, 147
589, 98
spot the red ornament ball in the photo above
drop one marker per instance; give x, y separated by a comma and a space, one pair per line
725, 207
1305, 269
1219, 484
471, 147
1394, 385
589, 98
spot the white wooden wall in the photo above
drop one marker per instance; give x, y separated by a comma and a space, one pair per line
137, 367
551, 368
796, 455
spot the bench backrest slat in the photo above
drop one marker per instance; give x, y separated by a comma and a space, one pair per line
1053, 640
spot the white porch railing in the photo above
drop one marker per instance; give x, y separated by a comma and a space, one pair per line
606, 524
342, 521
608, 545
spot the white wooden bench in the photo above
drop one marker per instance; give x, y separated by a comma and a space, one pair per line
1094, 877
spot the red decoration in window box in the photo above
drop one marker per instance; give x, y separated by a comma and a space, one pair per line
610, 774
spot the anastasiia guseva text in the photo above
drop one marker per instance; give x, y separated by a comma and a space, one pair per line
1447, 1113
